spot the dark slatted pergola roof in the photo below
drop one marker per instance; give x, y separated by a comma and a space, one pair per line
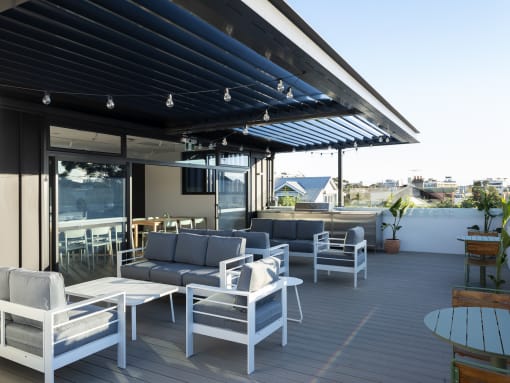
140, 51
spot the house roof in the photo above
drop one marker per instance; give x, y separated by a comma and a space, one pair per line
294, 185
139, 51
312, 185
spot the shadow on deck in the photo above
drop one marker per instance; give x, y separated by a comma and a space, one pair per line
374, 333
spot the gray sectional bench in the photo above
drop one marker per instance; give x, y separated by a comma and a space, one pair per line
41, 331
302, 236
184, 258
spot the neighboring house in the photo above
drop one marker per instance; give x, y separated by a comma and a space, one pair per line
306, 189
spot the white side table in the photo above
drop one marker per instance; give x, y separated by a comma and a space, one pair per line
293, 281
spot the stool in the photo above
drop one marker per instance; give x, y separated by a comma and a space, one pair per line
293, 281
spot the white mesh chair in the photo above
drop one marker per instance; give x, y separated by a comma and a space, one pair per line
101, 239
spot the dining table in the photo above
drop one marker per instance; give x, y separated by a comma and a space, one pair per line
484, 330
153, 223
477, 241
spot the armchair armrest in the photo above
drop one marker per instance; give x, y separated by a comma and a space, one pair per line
320, 241
131, 258
230, 268
281, 252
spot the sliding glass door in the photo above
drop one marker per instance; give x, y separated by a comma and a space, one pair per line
231, 199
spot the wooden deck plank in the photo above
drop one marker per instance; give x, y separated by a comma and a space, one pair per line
374, 333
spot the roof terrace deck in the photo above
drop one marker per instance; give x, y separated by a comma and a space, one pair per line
372, 334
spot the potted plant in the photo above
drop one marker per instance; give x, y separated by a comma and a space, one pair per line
487, 200
397, 210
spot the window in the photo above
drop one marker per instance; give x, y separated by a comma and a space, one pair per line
199, 180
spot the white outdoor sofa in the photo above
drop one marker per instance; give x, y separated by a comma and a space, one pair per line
39, 330
343, 255
247, 314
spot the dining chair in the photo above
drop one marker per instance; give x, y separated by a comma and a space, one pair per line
469, 372
101, 237
481, 254
119, 236
75, 241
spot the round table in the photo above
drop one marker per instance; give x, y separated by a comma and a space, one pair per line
484, 330
293, 281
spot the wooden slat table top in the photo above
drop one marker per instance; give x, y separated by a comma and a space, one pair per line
137, 292
481, 329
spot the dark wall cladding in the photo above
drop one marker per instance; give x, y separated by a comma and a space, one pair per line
20, 188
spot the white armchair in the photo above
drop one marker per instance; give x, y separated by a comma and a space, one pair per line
39, 330
247, 315
344, 255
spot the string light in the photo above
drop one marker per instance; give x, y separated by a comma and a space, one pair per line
169, 101
266, 116
245, 130
387, 139
241, 148
46, 100
293, 150
355, 144
280, 87
109, 102
227, 97
289, 94
380, 139
211, 146
224, 141
268, 151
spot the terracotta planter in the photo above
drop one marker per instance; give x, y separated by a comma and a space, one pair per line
391, 246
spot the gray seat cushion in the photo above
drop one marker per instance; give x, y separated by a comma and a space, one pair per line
276, 242
38, 289
301, 246
75, 334
264, 225
222, 248
338, 258
307, 229
284, 229
160, 246
140, 270
191, 248
265, 313
171, 273
257, 240
209, 276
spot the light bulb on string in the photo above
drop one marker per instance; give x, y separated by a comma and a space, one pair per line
241, 148
293, 150
380, 139
169, 101
227, 97
387, 139
211, 146
224, 141
266, 117
289, 94
245, 130
268, 151
109, 102
46, 100
280, 87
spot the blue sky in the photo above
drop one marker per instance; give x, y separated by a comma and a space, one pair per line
444, 65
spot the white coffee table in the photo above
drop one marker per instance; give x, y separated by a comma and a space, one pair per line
137, 293
293, 281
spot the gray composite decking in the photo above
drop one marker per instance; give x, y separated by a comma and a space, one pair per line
374, 333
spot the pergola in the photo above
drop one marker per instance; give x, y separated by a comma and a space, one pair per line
289, 90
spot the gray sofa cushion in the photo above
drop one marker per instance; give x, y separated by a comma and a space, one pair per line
266, 313
301, 246
257, 240
209, 276
284, 229
29, 338
191, 248
222, 248
140, 270
4, 282
160, 246
171, 273
306, 229
355, 235
264, 225
39, 289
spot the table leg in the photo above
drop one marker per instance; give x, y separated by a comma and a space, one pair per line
133, 322
299, 307
172, 308
482, 276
